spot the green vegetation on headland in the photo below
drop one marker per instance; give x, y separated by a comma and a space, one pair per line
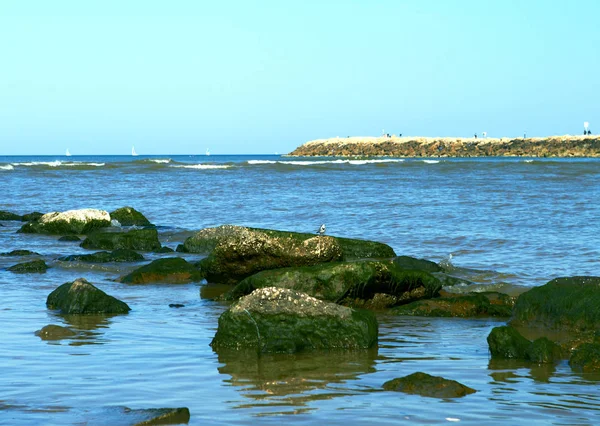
413, 146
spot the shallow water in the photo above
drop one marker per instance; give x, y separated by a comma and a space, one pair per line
508, 223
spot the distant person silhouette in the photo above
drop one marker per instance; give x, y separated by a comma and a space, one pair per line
475, 135
589, 132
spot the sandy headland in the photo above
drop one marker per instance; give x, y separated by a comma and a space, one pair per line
413, 146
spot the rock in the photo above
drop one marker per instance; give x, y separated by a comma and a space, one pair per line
32, 217
426, 385
4, 215
407, 262
485, 304
348, 283
174, 270
81, 297
135, 239
162, 416
119, 255
33, 267
206, 240
176, 305
20, 253
165, 249
69, 238
586, 358
128, 216
506, 342
54, 332
282, 320
70, 222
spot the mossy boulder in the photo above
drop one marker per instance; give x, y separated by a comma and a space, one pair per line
506, 342
119, 255
76, 222
426, 385
206, 240
32, 217
348, 283
566, 304
4, 215
408, 262
33, 267
69, 238
20, 253
128, 216
172, 270
586, 358
282, 320
81, 297
55, 332
134, 239
485, 304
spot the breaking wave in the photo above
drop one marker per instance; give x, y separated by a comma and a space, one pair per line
203, 166
7, 167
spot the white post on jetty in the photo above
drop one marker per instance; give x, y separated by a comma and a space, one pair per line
586, 125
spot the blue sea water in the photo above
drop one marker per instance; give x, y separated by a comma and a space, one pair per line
507, 223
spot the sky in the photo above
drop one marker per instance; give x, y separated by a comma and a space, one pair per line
262, 77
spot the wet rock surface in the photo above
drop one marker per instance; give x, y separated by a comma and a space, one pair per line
81, 297
20, 253
128, 216
506, 342
69, 222
174, 270
35, 266
54, 332
134, 239
119, 255
586, 358
426, 385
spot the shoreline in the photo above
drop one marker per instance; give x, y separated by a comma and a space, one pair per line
414, 146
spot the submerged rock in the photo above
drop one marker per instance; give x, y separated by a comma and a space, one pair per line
81, 297
128, 216
282, 320
33, 267
485, 304
134, 239
55, 332
69, 238
426, 385
4, 215
119, 255
76, 222
348, 283
173, 270
159, 416
20, 253
586, 358
506, 342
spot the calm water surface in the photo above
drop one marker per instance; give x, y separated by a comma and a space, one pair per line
508, 223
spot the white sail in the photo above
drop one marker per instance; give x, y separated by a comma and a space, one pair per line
207, 151
68, 154
133, 151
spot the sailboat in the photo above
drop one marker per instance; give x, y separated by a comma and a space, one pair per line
133, 151
207, 151
68, 154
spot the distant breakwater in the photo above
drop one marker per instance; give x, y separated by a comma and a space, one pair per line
393, 146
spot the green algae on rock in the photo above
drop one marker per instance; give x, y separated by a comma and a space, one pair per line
506, 342
586, 358
20, 253
427, 385
119, 255
54, 332
134, 239
128, 216
81, 297
174, 270
485, 304
69, 222
69, 238
33, 267
348, 283
281, 320
4, 215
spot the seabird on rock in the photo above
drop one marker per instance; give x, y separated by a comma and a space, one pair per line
321, 230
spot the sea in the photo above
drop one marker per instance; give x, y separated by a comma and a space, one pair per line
505, 224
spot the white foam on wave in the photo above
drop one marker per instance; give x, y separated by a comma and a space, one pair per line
203, 166
528, 161
160, 161
58, 164
431, 161
7, 167
318, 162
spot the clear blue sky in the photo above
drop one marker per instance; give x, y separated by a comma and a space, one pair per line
177, 77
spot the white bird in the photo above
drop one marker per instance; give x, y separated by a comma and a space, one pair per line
321, 230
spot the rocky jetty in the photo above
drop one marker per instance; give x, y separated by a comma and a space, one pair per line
551, 146
281, 320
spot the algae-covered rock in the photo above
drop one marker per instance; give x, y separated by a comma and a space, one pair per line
543, 351
76, 222
173, 270
4, 215
506, 342
69, 238
586, 358
345, 282
485, 304
119, 255
206, 240
32, 217
81, 297
20, 253
33, 267
134, 239
54, 332
128, 216
568, 304
282, 320
426, 385
165, 249
408, 262
163, 416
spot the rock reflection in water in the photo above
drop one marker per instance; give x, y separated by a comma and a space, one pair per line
294, 379
89, 328
541, 373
